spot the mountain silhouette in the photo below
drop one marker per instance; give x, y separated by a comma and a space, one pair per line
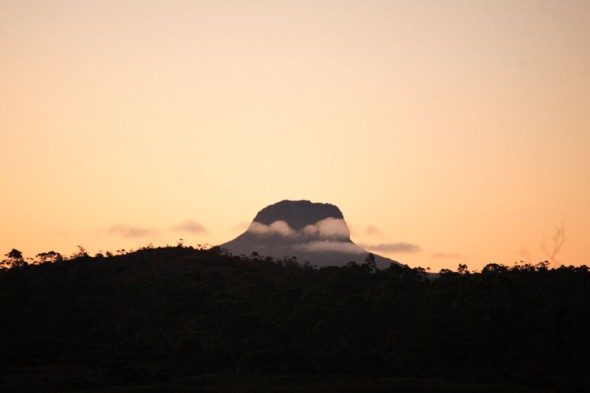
313, 232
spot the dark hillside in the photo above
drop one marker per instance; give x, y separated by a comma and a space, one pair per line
173, 317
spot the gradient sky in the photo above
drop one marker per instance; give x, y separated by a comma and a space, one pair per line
461, 128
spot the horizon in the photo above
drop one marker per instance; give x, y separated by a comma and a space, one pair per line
283, 229
458, 129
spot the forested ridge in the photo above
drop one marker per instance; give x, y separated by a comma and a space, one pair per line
161, 315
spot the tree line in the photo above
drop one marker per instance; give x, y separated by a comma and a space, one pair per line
185, 311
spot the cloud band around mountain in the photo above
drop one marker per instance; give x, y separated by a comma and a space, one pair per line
334, 229
330, 246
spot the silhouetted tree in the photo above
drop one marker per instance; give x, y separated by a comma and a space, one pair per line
558, 240
50, 256
370, 262
81, 253
14, 259
494, 268
462, 269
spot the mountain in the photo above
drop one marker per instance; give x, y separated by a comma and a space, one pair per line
314, 232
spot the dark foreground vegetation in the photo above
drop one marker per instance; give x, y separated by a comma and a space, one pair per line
178, 319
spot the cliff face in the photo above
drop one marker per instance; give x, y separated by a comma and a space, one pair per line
314, 232
298, 214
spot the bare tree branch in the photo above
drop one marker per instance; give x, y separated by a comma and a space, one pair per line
558, 240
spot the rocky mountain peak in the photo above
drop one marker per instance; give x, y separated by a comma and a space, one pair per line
297, 214
314, 232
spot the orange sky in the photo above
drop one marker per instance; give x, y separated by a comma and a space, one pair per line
461, 127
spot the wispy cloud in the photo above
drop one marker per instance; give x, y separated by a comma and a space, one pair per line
189, 226
372, 230
330, 246
132, 231
447, 255
400, 247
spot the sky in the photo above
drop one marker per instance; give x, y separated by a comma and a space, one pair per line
447, 131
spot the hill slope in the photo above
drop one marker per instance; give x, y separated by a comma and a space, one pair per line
162, 316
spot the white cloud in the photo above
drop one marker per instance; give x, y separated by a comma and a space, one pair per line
329, 228
280, 228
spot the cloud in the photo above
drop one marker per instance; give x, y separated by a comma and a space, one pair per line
330, 246
401, 247
372, 230
132, 231
280, 228
447, 255
190, 226
329, 228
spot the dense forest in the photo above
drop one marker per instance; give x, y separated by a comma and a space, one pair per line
180, 318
